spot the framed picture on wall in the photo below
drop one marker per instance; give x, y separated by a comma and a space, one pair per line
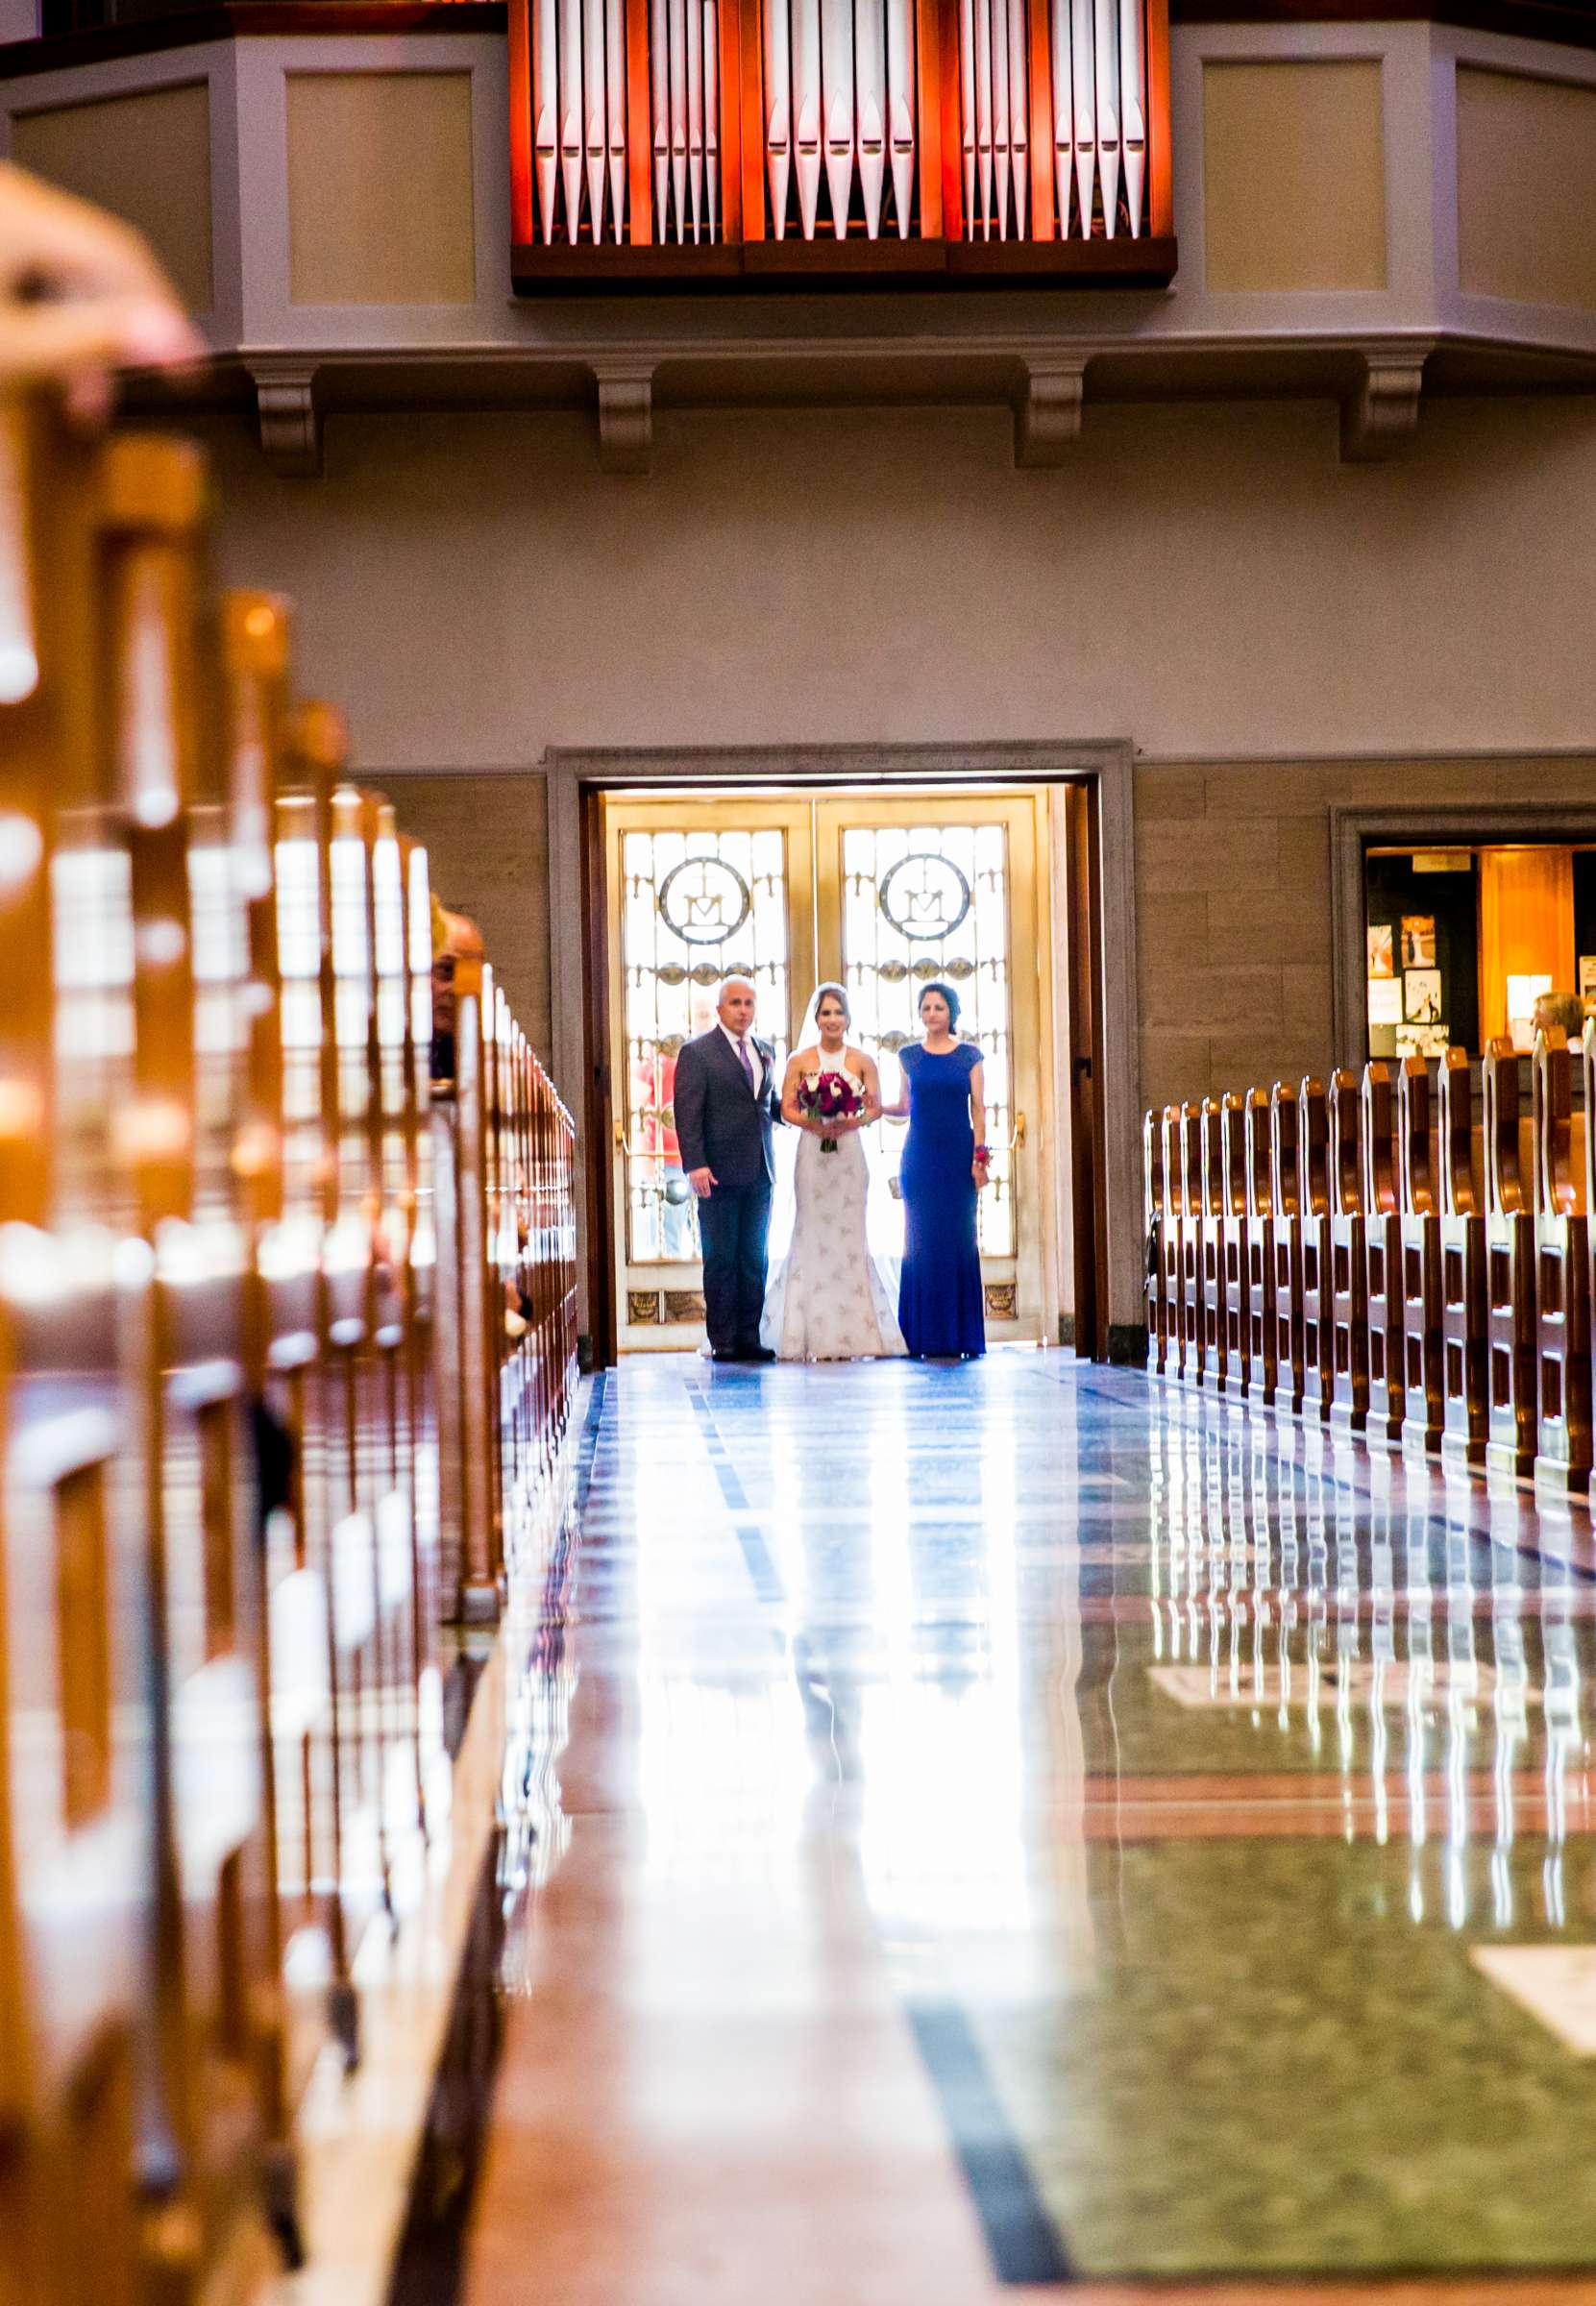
1380, 943
1421, 996
1384, 1001
1418, 941
1524, 990
1422, 1041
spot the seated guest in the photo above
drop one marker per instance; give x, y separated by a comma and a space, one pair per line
1564, 1009
454, 939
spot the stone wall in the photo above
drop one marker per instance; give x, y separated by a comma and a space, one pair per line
1233, 901
487, 846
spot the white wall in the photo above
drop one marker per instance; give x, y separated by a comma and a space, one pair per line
1207, 581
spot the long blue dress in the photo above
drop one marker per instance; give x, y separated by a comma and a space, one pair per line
939, 1300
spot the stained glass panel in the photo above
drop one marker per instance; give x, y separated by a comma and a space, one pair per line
928, 902
697, 905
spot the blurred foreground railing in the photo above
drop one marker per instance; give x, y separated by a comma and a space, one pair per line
229, 1318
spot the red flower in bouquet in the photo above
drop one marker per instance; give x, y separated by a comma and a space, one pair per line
830, 1098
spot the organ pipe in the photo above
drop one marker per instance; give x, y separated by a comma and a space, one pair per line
712, 117
570, 109
1064, 115
595, 135
1132, 106
693, 13
967, 106
1001, 130
1107, 32
901, 106
1084, 86
837, 81
871, 111
779, 110
545, 108
1020, 111
840, 99
659, 101
983, 109
615, 106
678, 53
806, 109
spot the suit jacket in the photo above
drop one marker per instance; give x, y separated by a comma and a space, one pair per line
721, 1124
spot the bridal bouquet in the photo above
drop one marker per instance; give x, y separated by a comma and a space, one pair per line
830, 1098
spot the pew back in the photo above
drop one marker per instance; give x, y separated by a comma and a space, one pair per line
220, 1710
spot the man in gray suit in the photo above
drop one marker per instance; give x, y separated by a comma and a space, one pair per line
727, 1097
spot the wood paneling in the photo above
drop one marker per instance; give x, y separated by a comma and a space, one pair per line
145, 156
1526, 925
1526, 188
1294, 176
379, 188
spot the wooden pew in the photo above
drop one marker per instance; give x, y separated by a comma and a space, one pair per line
207, 2120
218, 1461
1215, 1344
1509, 1257
1349, 1382
419, 1267
1462, 1232
468, 1348
1233, 1243
1154, 1218
405, 1648
77, 1874
1563, 1187
561, 1236
293, 1660
1317, 1300
1286, 1290
531, 1402
335, 1889
1261, 1330
1421, 1285
1383, 1251
373, 1538
1196, 1365
1172, 1249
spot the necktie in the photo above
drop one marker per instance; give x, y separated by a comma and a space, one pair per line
747, 1062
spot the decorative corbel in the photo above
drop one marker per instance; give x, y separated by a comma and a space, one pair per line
1047, 411
1380, 415
290, 422
625, 417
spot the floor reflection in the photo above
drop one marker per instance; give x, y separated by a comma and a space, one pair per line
1174, 1777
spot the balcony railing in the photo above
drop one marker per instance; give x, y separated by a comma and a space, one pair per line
703, 142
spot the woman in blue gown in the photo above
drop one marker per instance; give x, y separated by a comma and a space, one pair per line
944, 1166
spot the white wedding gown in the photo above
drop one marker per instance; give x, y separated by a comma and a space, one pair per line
827, 1299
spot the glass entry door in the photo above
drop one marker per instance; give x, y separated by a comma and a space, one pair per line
883, 896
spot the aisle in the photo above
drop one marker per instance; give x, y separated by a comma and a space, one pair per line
1008, 1824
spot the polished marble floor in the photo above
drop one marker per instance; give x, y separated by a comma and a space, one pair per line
998, 1828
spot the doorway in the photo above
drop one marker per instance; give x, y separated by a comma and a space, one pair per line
1091, 1147
882, 891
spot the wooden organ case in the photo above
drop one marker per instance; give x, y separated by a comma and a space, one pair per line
703, 142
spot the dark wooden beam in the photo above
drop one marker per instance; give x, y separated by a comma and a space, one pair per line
536, 270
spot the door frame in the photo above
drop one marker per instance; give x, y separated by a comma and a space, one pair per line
1106, 1253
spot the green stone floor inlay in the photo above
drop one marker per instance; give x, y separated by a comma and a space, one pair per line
1285, 2063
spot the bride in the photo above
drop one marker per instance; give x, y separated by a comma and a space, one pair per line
827, 1301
